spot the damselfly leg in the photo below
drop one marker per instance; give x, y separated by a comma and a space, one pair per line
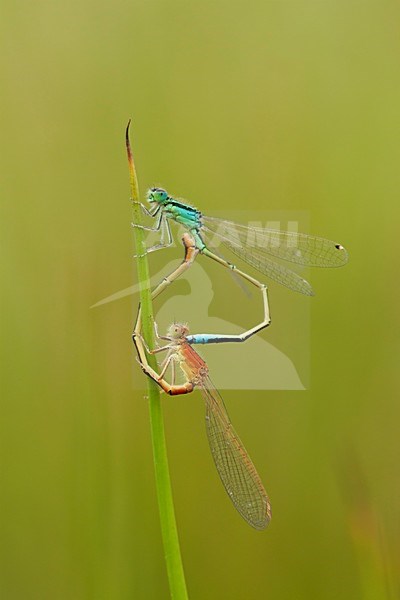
191, 251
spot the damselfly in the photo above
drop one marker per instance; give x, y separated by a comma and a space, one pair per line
255, 246
236, 470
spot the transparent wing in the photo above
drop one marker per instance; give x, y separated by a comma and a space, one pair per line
272, 269
299, 248
237, 472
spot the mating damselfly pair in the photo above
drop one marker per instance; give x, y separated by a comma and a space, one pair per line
233, 463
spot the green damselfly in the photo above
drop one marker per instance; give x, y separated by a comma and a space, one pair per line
257, 247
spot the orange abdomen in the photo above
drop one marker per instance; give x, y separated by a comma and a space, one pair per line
191, 363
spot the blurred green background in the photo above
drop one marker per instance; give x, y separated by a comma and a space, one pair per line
284, 104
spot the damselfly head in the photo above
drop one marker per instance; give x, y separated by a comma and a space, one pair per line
178, 330
157, 195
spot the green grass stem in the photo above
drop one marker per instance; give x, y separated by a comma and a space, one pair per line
173, 559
